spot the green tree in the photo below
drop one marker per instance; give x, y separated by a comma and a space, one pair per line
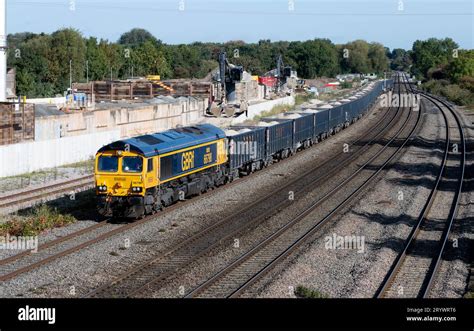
432, 55
148, 59
315, 58
378, 58
31, 58
400, 60
96, 58
462, 65
136, 37
357, 57
66, 45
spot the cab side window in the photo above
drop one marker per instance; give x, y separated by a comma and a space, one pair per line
150, 165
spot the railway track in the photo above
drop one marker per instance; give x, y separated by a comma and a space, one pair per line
239, 276
24, 262
158, 270
414, 271
39, 194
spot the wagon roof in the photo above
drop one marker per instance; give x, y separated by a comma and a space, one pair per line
168, 141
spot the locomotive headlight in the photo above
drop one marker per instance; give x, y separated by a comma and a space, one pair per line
136, 189
102, 188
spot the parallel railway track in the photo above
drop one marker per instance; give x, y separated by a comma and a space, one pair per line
155, 272
245, 271
26, 261
39, 194
415, 269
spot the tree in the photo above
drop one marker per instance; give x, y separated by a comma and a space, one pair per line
31, 58
462, 65
136, 37
96, 58
357, 57
66, 45
400, 60
378, 60
116, 59
432, 54
148, 59
315, 58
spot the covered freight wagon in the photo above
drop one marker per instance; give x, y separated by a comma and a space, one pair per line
279, 137
246, 149
303, 127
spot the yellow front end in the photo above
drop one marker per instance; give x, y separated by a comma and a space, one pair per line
121, 180
120, 174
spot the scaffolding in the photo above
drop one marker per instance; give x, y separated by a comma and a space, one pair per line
142, 89
17, 123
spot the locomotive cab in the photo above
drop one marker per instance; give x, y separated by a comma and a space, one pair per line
122, 179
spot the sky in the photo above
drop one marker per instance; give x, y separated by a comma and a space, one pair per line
394, 23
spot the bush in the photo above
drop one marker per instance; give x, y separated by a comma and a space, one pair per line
453, 92
307, 293
458, 95
302, 98
346, 85
42, 218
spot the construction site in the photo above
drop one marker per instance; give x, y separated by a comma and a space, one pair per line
95, 113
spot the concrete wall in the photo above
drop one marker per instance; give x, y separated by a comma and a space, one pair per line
131, 121
258, 108
32, 156
75, 137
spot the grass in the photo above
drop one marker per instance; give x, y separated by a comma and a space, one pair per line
89, 164
40, 219
470, 108
84, 164
302, 98
274, 111
307, 293
31, 175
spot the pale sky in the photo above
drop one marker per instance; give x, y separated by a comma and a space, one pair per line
395, 23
